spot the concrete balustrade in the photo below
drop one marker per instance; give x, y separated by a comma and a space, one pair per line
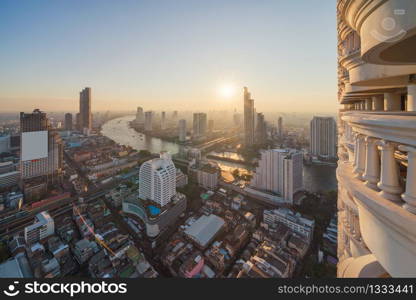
409, 195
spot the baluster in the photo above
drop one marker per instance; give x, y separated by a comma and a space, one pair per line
389, 179
409, 196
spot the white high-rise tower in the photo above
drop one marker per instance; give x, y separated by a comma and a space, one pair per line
158, 180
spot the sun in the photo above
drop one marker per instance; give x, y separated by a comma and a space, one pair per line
226, 91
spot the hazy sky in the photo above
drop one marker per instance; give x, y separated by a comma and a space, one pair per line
171, 54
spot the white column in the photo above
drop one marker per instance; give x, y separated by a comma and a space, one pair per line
409, 195
378, 103
389, 179
368, 104
411, 97
392, 102
359, 163
372, 163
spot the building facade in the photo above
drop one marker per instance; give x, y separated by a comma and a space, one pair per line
323, 137
280, 172
377, 138
158, 180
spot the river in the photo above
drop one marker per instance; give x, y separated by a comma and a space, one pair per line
315, 177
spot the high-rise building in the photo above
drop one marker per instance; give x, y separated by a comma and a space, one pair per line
280, 127
323, 137
41, 154
210, 126
182, 130
139, 115
158, 180
68, 121
280, 172
199, 124
85, 110
377, 138
163, 121
78, 124
249, 118
148, 121
261, 130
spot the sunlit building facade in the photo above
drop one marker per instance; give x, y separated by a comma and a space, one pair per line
377, 138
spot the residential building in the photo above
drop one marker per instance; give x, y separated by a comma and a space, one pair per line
43, 227
208, 176
323, 137
158, 180
289, 218
280, 171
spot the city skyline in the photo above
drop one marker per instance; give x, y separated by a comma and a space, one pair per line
204, 65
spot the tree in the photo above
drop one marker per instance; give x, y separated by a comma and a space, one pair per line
144, 153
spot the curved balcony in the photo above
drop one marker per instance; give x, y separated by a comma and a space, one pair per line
388, 33
380, 75
381, 182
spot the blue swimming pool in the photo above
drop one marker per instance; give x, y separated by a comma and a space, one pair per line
154, 211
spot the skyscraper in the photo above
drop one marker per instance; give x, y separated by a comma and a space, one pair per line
139, 115
85, 110
323, 137
249, 121
163, 121
261, 130
41, 156
377, 138
68, 121
158, 180
279, 171
148, 121
280, 127
199, 124
182, 130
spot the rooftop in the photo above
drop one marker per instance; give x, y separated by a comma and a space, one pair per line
204, 229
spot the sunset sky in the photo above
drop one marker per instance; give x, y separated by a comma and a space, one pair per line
193, 55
